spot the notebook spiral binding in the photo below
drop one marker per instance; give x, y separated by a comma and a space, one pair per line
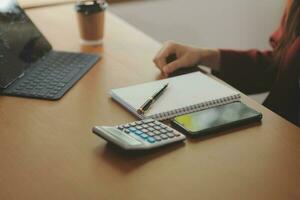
195, 107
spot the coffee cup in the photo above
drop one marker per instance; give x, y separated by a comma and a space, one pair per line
90, 14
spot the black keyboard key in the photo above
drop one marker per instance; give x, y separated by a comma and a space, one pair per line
71, 75
51, 74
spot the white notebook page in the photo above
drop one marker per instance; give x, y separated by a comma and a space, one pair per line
183, 91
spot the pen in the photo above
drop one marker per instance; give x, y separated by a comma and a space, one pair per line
151, 100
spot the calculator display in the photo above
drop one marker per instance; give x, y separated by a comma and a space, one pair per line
123, 137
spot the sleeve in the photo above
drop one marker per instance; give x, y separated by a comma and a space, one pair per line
298, 103
249, 71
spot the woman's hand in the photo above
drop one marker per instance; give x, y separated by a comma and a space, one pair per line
187, 56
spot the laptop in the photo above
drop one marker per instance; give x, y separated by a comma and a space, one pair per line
29, 67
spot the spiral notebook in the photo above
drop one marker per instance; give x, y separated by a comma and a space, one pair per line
185, 94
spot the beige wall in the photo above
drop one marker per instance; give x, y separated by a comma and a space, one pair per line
35, 3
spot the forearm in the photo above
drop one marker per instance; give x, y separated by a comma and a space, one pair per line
249, 71
210, 58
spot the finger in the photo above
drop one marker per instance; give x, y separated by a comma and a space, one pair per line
160, 58
158, 65
167, 51
158, 55
161, 63
171, 67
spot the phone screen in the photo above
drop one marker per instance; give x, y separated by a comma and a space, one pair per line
214, 117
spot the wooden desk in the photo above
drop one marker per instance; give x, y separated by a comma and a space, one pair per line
47, 149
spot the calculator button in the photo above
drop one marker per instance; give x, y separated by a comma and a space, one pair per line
138, 132
177, 134
162, 125
145, 130
120, 127
170, 135
145, 126
139, 127
157, 138
151, 139
157, 127
164, 136
133, 124
126, 126
157, 123
139, 123
156, 132
169, 129
126, 131
132, 129
163, 131
144, 136
151, 129
150, 134
151, 124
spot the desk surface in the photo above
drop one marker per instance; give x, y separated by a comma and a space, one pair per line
47, 149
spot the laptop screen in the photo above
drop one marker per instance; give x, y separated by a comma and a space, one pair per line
21, 43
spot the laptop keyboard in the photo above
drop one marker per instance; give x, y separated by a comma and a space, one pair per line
53, 75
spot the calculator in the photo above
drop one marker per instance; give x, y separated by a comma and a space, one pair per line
139, 135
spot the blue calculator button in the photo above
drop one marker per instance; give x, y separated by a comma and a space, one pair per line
138, 132
132, 129
145, 136
151, 139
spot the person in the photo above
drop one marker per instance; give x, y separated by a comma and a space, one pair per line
252, 71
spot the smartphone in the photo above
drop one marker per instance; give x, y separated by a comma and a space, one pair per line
216, 119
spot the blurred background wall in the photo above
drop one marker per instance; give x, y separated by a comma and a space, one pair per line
210, 23
233, 24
